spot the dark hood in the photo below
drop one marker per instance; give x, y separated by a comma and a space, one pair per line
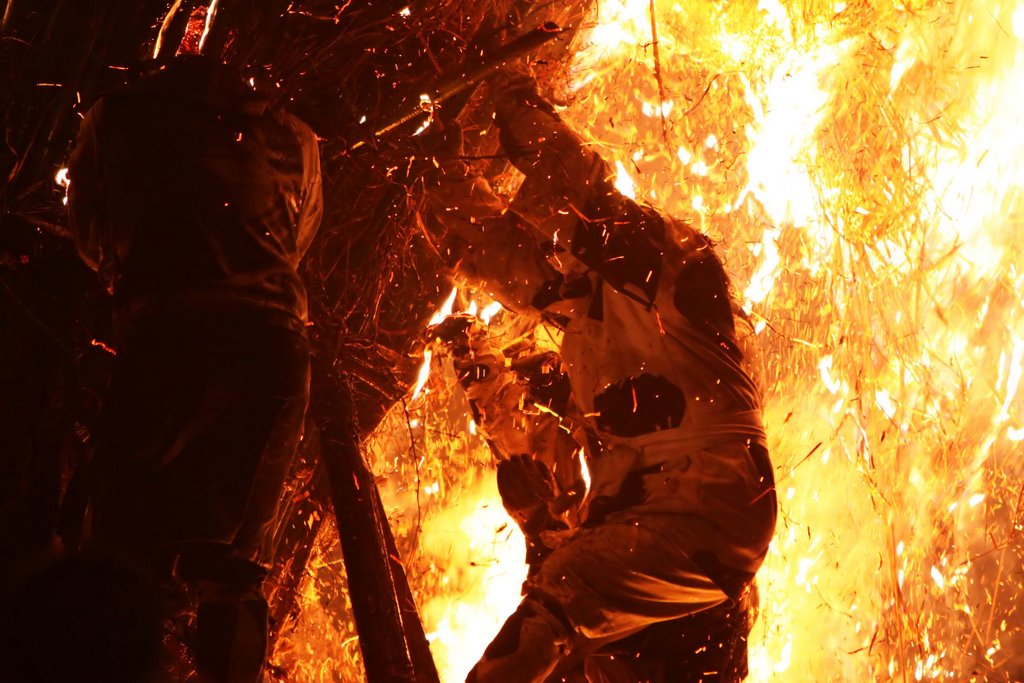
205, 80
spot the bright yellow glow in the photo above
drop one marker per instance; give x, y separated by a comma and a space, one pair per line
164, 25
623, 183
64, 182
874, 230
584, 470
423, 375
446, 308
211, 16
474, 545
490, 310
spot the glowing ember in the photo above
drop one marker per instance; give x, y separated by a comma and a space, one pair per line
428, 106
164, 25
446, 308
64, 182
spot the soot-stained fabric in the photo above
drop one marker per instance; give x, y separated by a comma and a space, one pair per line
640, 405
200, 426
622, 241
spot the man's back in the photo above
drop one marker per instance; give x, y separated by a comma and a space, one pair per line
195, 201
189, 185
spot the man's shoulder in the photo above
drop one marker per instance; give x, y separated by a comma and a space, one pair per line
302, 130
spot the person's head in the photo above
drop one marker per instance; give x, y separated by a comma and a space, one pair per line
203, 79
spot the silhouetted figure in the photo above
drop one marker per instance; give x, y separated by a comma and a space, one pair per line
194, 199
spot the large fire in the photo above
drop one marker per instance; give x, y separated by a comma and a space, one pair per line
861, 166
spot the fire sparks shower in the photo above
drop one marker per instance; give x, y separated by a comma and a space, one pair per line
860, 167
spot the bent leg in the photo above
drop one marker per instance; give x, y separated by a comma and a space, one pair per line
707, 647
614, 580
605, 584
526, 649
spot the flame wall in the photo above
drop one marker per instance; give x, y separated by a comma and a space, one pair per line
860, 165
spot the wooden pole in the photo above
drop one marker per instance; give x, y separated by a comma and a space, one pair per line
391, 637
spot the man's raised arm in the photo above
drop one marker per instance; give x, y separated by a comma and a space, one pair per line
569, 196
482, 239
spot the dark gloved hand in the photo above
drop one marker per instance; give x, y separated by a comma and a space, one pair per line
548, 382
517, 101
453, 332
442, 139
528, 490
515, 87
527, 487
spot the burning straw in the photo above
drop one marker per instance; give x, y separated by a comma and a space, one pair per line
860, 166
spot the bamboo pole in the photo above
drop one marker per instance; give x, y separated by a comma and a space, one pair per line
391, 637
